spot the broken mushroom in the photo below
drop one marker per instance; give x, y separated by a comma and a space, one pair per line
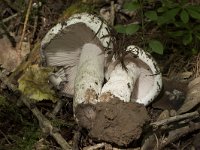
77, 47
141, 81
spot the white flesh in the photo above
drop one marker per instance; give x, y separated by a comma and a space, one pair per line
156, 87
90, 75
121, 82
149, 82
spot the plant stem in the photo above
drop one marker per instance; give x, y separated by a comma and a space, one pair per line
142, 17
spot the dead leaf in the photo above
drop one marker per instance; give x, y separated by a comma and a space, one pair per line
34, 84
192, 97
9, 57
25, 49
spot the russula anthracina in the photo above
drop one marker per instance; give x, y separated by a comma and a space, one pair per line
141, 82
77, 46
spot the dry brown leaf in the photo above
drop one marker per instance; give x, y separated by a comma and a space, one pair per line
193, 96
25, 49
11, 57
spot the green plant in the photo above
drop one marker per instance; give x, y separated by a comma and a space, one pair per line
170, 19
20, 129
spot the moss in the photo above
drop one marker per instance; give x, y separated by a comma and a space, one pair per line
20, 129
26, 142
77, 7
3, 101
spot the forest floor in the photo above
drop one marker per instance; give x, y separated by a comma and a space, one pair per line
23, 24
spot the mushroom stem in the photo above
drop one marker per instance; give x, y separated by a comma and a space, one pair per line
90, 75
121, 83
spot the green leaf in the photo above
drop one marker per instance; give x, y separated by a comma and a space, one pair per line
194, 14
162, 20
132, 28
131, 6
178, 24
169, 3
194, 7
196, 28
176, 34
34, 84
152, 15
120, 29
187, 39
171, 13
161, 9
197, 35
156, 46
168, 16
194, 51
184, 16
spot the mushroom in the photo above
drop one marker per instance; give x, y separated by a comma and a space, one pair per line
141, 81
77, 48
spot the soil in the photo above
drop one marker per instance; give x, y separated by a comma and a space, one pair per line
114, 122
172, 96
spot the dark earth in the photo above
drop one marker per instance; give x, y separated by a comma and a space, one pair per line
114, 121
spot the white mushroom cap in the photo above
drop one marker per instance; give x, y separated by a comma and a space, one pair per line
92, 22
62, 45
149, 82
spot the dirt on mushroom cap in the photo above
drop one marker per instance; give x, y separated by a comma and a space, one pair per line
114, 121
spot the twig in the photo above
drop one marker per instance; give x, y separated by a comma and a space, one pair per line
197, 66
76, 139
56, 109
45, 124
33, 57
176, 134
142, 17
5, 137
168, 62
11, 5
25, 23
190, 116
112, 13
35, 27
94, 147
7, 33
9, 18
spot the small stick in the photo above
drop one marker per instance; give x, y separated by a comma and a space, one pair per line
112, 13
11, 38
190, 116
76, 139
94, 147
176, 134
45, 124
11, 5
5, 137
56, 109
25, 23
9, 18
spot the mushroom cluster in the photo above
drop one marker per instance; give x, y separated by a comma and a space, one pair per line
77, 48
141, 82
